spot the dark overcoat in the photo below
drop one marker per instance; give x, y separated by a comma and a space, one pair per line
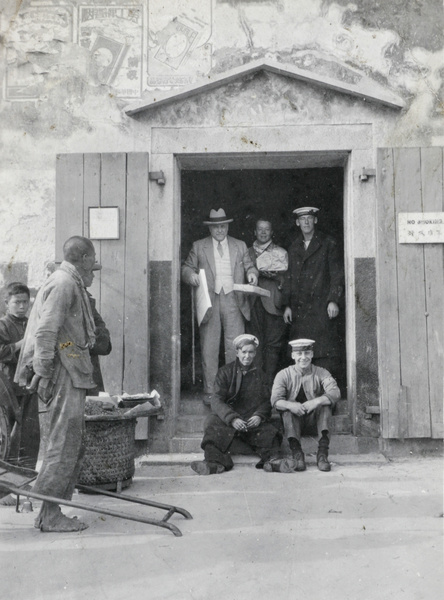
315, 277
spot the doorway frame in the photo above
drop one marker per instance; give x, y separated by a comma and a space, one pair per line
304, 146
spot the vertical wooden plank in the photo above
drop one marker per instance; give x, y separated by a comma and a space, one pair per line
113, 193
136, 326
69, 199
387, 292
412, 304
91, 197
432, 166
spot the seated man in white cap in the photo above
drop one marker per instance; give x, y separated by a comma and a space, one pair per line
226, 262
305, 396
241, 408
313, 289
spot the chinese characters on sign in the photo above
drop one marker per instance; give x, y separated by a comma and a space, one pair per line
421, 228
179, 48
113, 35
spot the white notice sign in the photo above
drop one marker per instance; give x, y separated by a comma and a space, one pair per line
104, 223
421, 228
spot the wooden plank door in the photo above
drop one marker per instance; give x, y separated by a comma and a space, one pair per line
122, 287
410, 296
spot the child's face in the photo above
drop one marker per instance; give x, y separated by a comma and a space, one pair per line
18, 305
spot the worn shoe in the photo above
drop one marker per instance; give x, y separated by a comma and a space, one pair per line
279, 465
202, 467
323, 463
299, 459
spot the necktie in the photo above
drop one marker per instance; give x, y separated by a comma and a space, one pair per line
220, 249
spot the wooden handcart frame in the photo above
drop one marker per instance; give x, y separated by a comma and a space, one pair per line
14, 480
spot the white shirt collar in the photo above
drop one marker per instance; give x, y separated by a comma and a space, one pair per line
224, 243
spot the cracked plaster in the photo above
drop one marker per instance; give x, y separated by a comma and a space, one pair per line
73, 111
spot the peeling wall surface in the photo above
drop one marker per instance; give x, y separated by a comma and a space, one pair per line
69, 69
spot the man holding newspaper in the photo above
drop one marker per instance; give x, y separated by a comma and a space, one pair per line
217, 266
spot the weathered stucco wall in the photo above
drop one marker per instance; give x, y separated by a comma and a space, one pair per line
69, 69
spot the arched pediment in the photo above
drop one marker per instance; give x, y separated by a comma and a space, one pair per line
362, 86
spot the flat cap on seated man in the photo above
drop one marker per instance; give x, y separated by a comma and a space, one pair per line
240, 408
305, 396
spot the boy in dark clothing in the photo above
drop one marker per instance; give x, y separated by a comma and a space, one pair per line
23, 415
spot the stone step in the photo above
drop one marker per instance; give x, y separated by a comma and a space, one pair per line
339, 444
194, 424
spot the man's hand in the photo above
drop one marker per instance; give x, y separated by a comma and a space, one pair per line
239, 424
288, 316
332, 310
311, 405
32, 387
195, 280
252, 278
298, 409
253, 422
43, 386
269, 274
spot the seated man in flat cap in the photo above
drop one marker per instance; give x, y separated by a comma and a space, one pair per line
313, 289
226, 262
305, 396
240, 407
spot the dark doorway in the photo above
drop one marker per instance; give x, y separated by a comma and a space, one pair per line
247, 195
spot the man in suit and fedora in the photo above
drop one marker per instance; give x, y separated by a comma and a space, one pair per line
313, 289
267, 322
226, 262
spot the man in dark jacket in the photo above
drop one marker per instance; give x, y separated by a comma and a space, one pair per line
313, 289
102, 345
240, 407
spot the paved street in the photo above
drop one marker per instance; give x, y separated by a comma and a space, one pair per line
370, 529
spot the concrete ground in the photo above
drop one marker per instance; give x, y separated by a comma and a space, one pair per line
370, 529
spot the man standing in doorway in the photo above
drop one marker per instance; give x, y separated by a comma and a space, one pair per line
313, 289
225, 261
55, 361
266, 321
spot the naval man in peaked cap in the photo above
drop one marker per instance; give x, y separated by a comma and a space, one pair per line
225, 261
305, 395
313, 289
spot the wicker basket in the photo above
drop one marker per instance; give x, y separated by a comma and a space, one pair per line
109, 452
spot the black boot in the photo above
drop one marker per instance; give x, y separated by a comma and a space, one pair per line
322, 455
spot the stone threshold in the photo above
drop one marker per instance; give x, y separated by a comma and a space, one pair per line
242, 459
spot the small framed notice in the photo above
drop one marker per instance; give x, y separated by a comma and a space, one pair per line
104, 223
421, 228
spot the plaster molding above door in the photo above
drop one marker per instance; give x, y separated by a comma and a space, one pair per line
363, 87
